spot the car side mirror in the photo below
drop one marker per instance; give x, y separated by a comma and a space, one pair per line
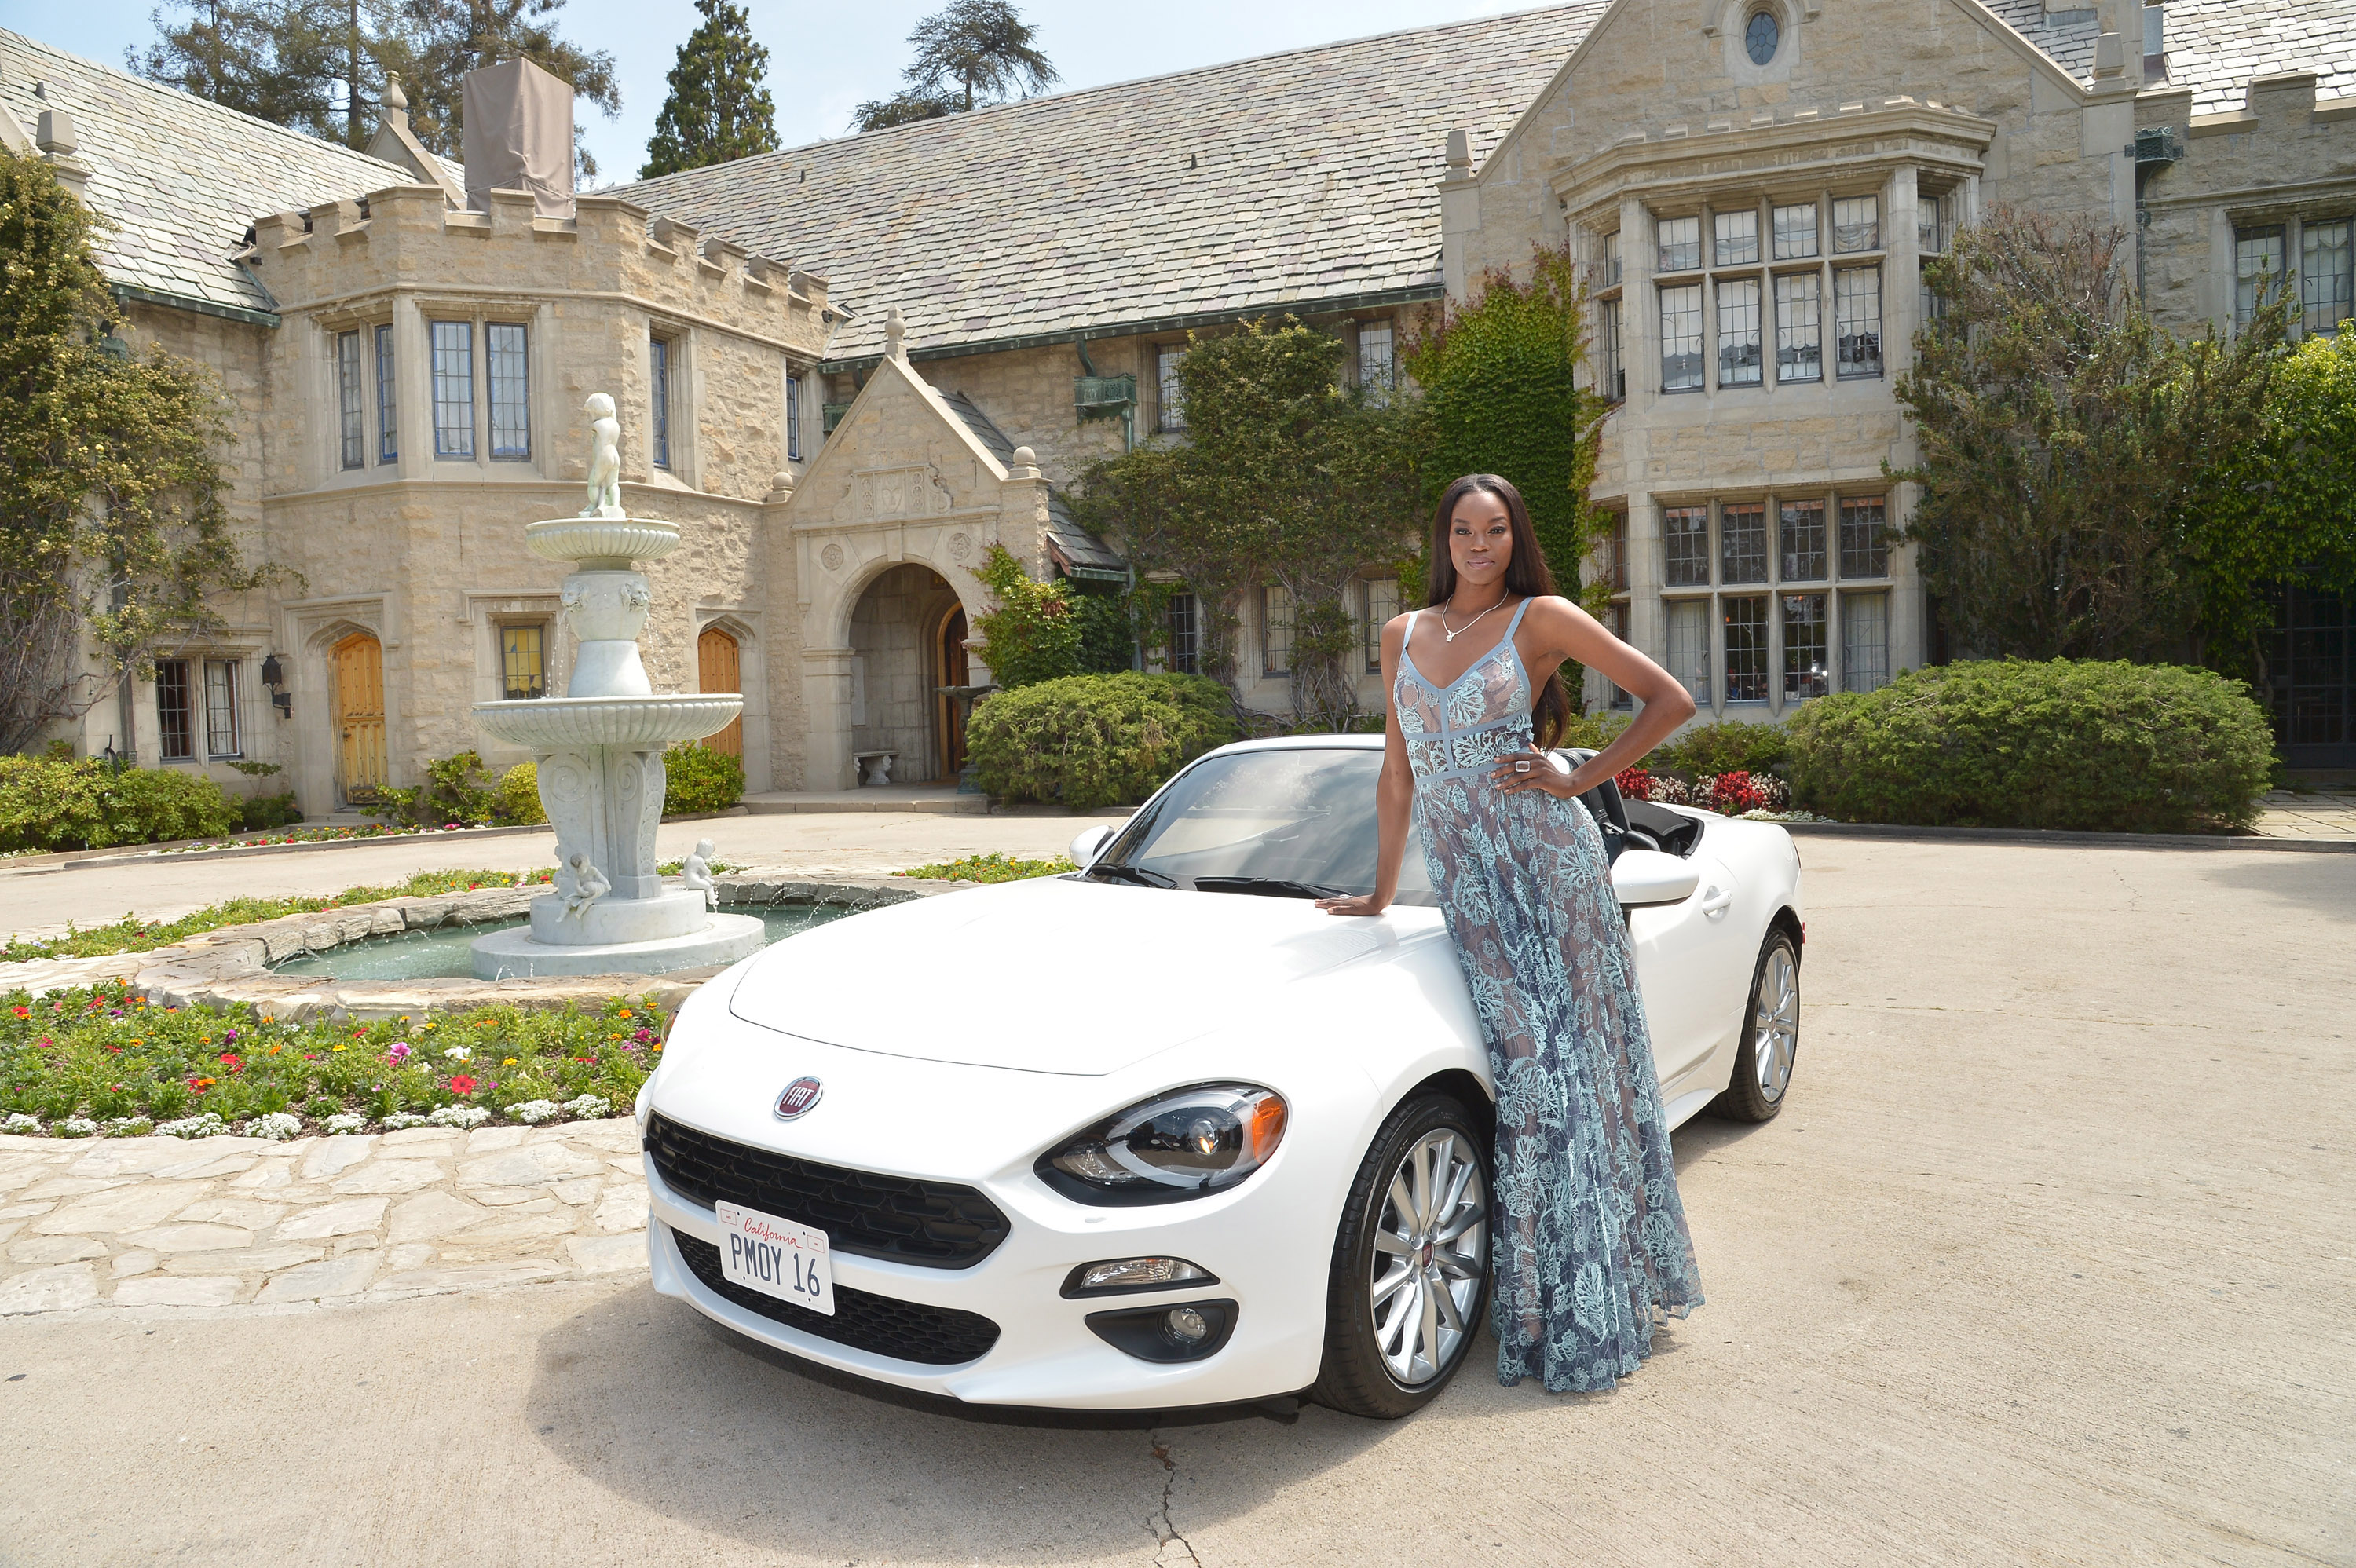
1090, 844
1643, 876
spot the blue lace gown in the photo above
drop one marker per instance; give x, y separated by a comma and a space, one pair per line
1589, 1244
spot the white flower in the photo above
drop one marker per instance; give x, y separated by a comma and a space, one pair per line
21, 1122
344, 1122
74, 1127
589, 1108
535, 1112
200, 1127
129, 1126
455, 1117
459, 1053
401, 1119
277, 1127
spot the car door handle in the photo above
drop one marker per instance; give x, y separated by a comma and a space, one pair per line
1717, 901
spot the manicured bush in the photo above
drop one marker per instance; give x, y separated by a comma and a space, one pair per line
517, 799
2061, 743
52, 804
1091, 740
1707, 750
697, 778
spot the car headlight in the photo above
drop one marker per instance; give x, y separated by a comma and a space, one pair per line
1185, 1144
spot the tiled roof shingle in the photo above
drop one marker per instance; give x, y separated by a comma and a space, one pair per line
1295, 176
179, 179
1081, 549
2214, 47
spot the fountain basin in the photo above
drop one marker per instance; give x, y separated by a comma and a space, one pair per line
514, 953
596, 540
570, 723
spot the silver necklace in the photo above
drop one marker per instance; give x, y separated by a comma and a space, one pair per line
1467, 626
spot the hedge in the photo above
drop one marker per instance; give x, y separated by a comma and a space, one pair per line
1091, 741
2063, 744
697, 778
51, 804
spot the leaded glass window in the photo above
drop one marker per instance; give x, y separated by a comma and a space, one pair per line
1735, 237
1807, 661
453, 344
1680, 244
1170, 396
2257, 267
510, 390
1795, 232
1376, 344
1799, 525
220, 705
1382, 603
1183, 658
351, 402
1857, 223
1857, 320
523, 663
388, 423
1684, 535
659, 398
1745, 618
1865, 640
1799, 329
1742, 542
2326, 273
1738, 332
1614, 379
1864, 545
1275, 631
1690, 645
1681, 346
175, 710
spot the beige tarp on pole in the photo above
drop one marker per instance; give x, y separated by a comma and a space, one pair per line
519, 136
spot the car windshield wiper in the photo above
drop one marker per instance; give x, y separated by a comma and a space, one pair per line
1136, 874
1267, 887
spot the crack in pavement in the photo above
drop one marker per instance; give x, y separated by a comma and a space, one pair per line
1159, 1527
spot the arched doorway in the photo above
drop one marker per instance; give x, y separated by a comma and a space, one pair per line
358, 716
720, 667
950, 667
896, 627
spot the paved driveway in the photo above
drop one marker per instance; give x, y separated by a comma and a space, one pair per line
2049, 1261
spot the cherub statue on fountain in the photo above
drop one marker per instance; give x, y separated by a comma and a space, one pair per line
695, 873
580, 884
605, 458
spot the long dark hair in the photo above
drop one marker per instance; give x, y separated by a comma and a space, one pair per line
1527, 577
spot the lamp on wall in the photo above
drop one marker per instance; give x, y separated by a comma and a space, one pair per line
273, 675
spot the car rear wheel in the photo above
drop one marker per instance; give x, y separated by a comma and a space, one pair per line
1410, 1277
1771, 1035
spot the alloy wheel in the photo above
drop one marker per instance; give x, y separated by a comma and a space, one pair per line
1431, 1257
1775, 1023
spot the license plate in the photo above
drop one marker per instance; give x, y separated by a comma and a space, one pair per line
775, 1257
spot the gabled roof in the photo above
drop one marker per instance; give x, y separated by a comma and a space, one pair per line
1081, 552
181, 179
2214, 47
1294, 178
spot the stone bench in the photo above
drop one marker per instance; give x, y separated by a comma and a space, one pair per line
874, 767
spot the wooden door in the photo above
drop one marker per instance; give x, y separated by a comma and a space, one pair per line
950, 668
720, 667
360, 716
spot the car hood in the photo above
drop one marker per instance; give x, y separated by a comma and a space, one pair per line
1053, 975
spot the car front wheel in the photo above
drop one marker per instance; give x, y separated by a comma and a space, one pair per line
1771, 1035
1410, 1263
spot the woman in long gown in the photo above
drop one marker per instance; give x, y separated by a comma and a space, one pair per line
1590, 1243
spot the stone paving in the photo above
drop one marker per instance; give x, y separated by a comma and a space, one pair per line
222, 1221
2325, 812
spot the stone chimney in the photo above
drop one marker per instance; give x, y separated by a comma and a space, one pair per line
519, 136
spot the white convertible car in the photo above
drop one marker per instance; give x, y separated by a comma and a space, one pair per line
1160, 1132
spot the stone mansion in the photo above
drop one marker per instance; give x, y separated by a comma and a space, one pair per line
846, 369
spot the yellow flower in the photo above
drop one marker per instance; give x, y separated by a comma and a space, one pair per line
613, 1037
343, 1048
626, 1012
508, 1063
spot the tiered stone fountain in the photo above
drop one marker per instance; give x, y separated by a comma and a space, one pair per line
599, 749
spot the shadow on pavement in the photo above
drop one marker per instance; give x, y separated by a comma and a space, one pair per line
646, 1397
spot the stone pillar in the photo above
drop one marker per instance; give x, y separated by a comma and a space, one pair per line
1640, 314
1902, 291
826, 699
1022, 514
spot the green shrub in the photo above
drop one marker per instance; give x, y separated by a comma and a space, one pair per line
517, 800
52, 804
1707, 750
256, 812
1035, 634
1593, 731
697, 778
1091, 740
2063, 744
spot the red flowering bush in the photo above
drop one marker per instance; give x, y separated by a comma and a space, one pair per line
1634, 784
1734, 794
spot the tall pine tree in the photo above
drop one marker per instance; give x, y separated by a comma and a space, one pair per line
718, 108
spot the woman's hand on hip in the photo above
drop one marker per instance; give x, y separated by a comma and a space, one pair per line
1535, 770
1357, 903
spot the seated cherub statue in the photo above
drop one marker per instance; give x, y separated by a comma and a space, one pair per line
696, 873
589, 885
605, 458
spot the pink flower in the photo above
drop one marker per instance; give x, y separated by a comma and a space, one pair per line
399, 1053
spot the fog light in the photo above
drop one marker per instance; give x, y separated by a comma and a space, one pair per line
1123, 1275
1187, 1332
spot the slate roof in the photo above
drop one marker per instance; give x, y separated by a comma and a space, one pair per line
182, 180
1289, 177
1079, 549
2065, 37
2214, 47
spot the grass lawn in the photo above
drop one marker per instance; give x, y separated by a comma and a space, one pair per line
103, 1061
990, 868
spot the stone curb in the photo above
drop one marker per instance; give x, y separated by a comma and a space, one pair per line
232, 966
74, 860
2075, 840
241, 1222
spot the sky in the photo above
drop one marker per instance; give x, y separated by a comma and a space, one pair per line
825, 62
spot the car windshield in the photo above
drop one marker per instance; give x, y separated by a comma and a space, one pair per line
1293, 823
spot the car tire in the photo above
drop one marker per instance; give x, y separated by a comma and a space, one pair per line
1771, 1035
1381, 1361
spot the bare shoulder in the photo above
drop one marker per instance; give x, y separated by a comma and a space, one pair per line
1395, 629
1551, 613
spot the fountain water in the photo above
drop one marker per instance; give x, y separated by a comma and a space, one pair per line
599, 749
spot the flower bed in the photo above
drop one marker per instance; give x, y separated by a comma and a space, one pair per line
993, 867
103, 1060
311, 835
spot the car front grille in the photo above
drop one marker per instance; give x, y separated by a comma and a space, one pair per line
903, 1330
936, 1224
